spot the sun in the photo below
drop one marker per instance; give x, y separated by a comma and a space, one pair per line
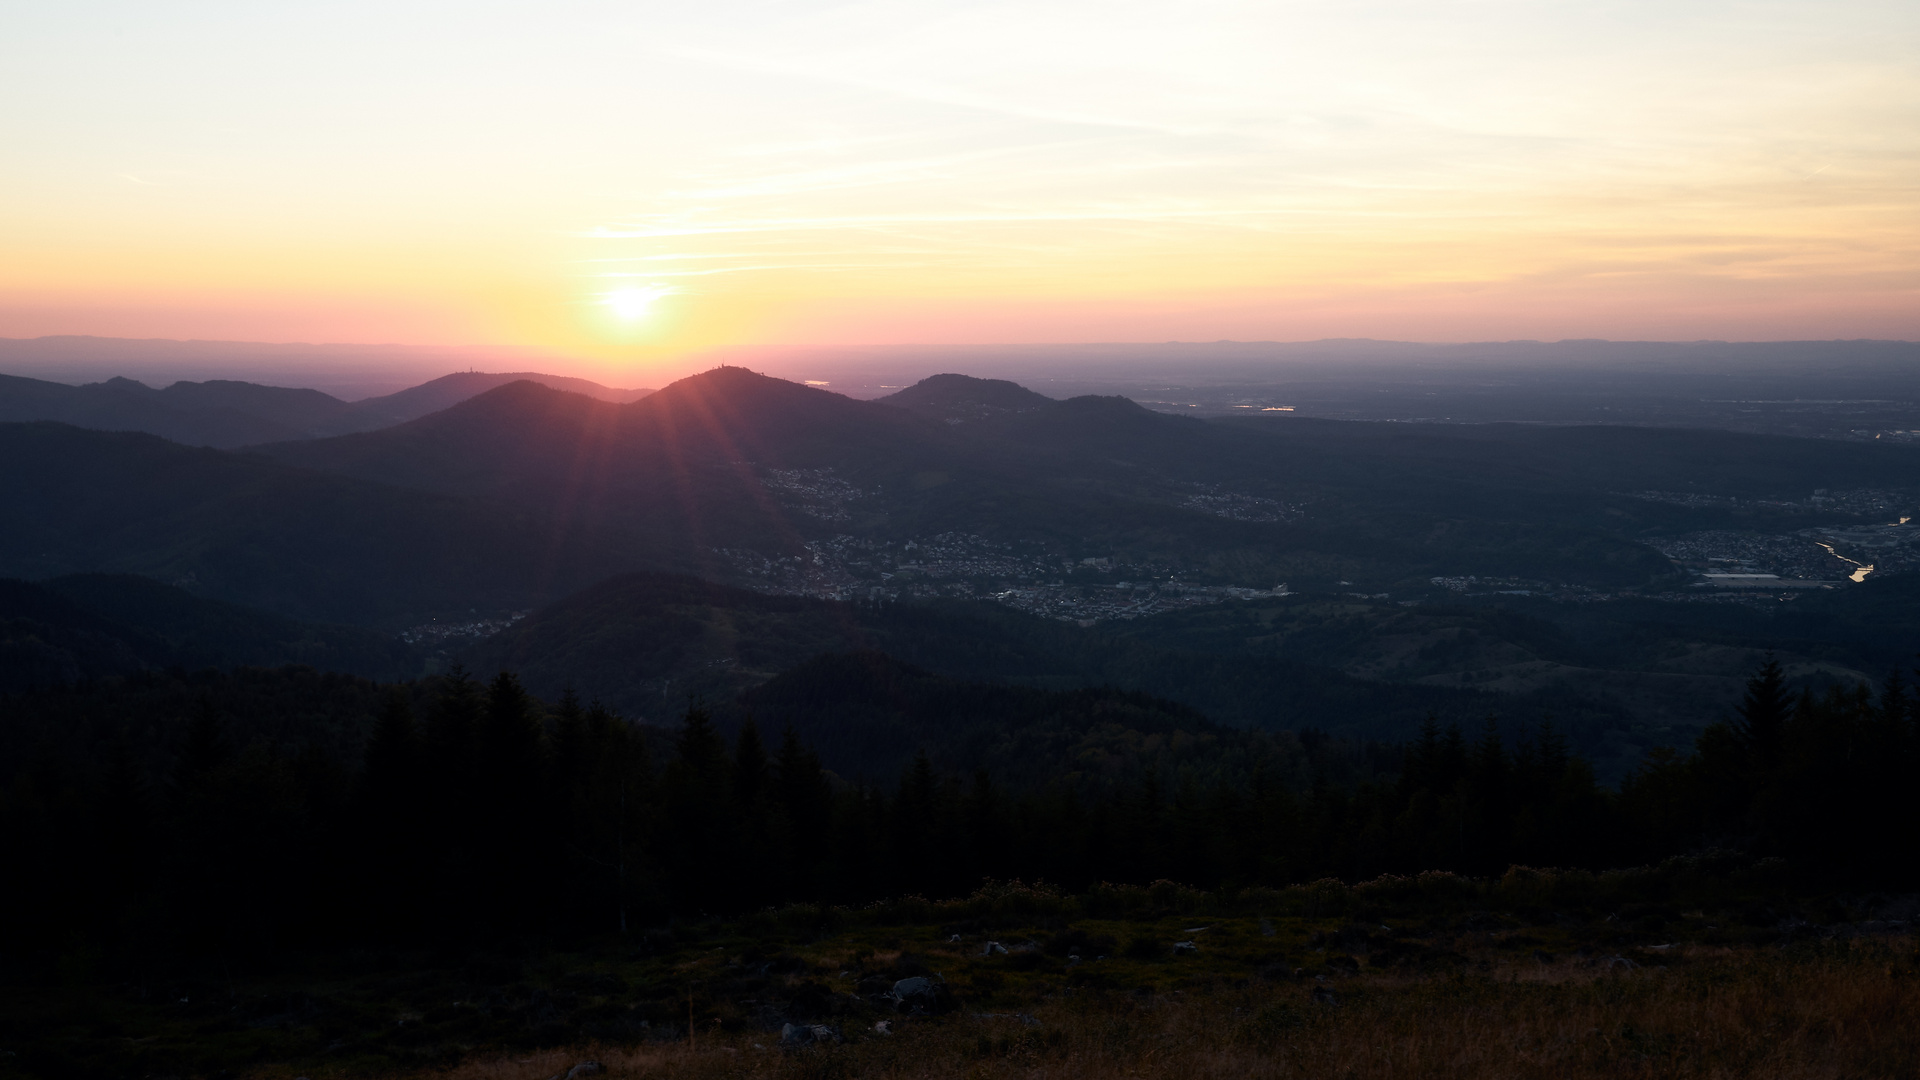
634, 303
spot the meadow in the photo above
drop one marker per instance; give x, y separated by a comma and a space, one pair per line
1682, 970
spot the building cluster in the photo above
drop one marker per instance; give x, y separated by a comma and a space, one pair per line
956, 565
440, 632
1861, 502
1215, 500
1786, 556
818, 493
1510, 586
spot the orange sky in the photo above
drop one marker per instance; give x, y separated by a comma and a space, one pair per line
633, 186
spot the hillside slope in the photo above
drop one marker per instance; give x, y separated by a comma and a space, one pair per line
251, 531
88, 627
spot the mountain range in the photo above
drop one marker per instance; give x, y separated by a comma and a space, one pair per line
746, 479
1270, 571
724, 472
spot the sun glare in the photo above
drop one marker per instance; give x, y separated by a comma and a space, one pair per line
634, 303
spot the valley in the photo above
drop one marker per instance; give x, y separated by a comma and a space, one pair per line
1274, 573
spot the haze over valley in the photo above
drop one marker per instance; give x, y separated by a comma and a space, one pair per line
1622, 579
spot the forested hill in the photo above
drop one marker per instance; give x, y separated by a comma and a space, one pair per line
1617, 679
869, 715
645, 644
251, 531
88, 627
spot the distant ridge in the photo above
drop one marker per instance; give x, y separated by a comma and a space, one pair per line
957, 398
450, 390
349, 372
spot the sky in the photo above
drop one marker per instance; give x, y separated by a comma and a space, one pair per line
630, 185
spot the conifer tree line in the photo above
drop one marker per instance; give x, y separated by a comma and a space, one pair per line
477, 813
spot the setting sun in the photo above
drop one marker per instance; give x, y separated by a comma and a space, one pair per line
630, 304
953, 173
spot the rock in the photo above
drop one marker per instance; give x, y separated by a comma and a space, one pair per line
922, 995
794, 1036
992, 948
1186, 947
1618, 962
1325, 996
585, 1069
883, 1027
1266, 928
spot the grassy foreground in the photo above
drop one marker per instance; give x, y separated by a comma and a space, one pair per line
1715, 1012
1318, 981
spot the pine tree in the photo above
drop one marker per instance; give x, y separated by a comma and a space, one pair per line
512, 820
804, 821
571, 753
612, 819
204, 752
1763, 716
393, 758
985, 828
391, 821
910, 845
752, 791
699, 818
124, 839
752, 776
1895, 705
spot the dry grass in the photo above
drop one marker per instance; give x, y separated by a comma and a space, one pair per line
1840, 1010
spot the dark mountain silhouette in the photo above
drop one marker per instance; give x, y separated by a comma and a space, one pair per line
198, 414
958, 398
88, 627
486, 444
667, 478
370, 414
249, 530
725, 419
225, 413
